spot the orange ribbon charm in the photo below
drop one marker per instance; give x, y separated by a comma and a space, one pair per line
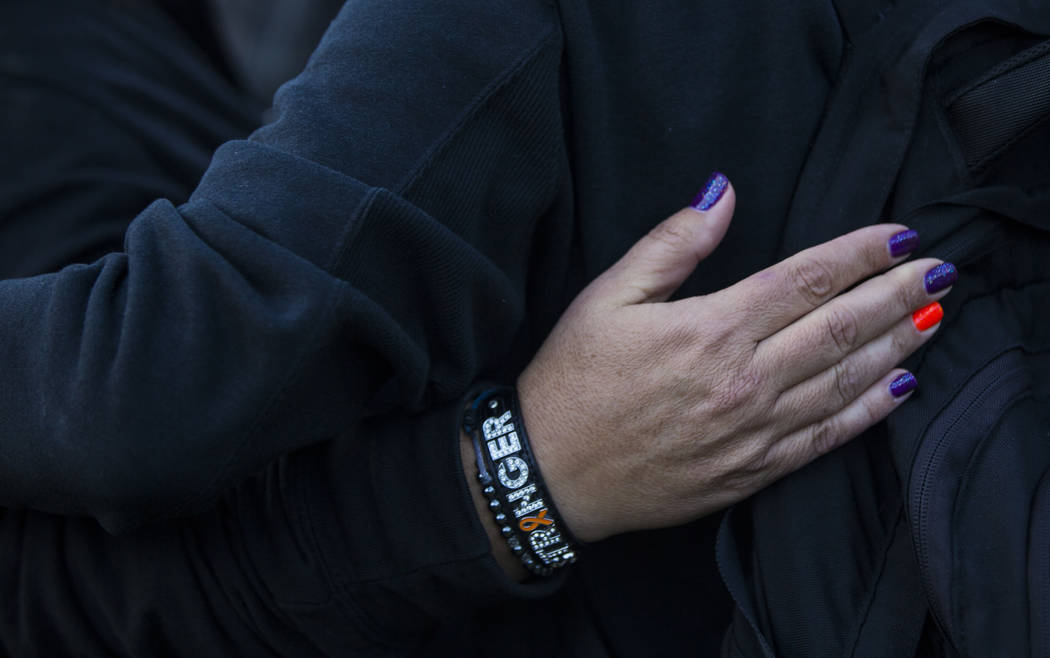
530, 523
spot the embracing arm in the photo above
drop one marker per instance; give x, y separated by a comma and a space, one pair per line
327, 270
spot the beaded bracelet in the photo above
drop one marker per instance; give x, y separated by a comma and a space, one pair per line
510, 480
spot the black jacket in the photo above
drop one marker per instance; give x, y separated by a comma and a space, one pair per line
258, 389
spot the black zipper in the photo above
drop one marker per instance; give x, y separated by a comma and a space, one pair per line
930, 459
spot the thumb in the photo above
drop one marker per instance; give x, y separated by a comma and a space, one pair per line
658, 263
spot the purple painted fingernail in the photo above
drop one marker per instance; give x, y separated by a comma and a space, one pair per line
903, 385
904, 242
713, 190
941, 277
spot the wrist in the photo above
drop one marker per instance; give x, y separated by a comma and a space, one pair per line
548, 425
510, 479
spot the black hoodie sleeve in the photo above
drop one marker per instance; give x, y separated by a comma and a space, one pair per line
363, 546
363, 256
280, 361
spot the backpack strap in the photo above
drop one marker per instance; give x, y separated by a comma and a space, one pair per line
991, 113
1027, 206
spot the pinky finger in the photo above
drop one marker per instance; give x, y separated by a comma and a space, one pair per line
803, 446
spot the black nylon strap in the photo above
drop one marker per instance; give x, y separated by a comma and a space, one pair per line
1003, 104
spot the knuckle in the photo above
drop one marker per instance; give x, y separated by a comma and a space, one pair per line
847, 380
720, 338
900, 346
875, 256
843, 328
755, 462
904, 295
725, 336
738, 391
748, 467
873, 413
671, 234
825, 436
812, 279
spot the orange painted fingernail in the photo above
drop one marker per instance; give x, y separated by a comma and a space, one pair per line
927, 316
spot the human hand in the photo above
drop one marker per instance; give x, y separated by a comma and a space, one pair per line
644, 413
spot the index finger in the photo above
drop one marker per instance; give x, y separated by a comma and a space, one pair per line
797, 285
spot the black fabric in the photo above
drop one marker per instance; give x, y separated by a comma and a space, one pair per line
98, 124
195, 18
275, 356
960, 467
1001, 106
118, 108
893, 624
258, 385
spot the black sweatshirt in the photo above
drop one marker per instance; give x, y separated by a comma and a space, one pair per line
256, 395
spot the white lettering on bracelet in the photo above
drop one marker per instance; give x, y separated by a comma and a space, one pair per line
504, 445
528, 507
509, 465
493, 427
543, 539
502, 450
525, 493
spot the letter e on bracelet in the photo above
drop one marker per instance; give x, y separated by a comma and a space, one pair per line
504, 445
500, 435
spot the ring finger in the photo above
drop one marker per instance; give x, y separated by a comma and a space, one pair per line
836, 387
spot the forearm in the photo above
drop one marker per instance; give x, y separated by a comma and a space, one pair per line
332, 268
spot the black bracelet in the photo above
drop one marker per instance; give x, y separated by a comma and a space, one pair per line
510, 480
